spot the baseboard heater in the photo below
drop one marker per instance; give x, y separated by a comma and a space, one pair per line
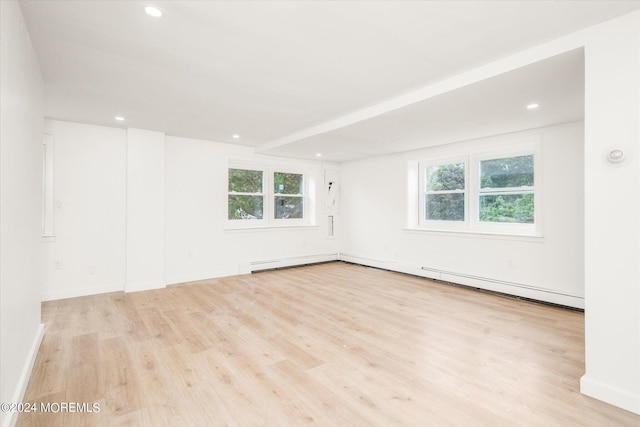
443, 273
504, 287
272, 264
501, 287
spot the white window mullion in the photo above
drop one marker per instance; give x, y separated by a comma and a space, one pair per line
474, 188
268, 195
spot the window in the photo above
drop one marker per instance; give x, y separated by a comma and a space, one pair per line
492, 191
445, 192
246, 194
264, 196
289, 195
506, 190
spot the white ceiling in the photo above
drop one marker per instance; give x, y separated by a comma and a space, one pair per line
275, 72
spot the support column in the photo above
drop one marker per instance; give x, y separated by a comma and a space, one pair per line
145, 210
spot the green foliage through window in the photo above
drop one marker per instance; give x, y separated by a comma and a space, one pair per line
507, 172
506, 190
245, 207
515, 208
288, 207
287, 183
444, 198
245, 199
445, 207
445, 177
247, 193
288, 200
245, 181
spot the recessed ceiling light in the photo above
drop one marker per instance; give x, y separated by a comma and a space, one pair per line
236, 136
153, 11
532, 106
318, 154
119, 118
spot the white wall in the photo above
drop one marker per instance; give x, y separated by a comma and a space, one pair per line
88, 254
21, 100
145, 210
197, 244
154, 214
375, 221
612, 206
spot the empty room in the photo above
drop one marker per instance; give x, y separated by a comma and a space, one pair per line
319, 213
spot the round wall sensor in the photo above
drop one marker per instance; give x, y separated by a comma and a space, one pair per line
615, 155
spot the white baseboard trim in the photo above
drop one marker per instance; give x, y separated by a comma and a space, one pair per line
385, 265
81, 292
516, 289
246, 268
611, 395
25, 375
144, 286
287, 262
179, 279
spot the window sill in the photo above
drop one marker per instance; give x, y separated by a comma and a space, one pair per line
47, 239
535, 238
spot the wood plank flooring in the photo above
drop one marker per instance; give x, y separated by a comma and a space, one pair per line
325, 345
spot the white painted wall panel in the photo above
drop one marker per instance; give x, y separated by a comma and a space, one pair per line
145, 210
88, 254
21, 105
198, 246
168, 224
612, 206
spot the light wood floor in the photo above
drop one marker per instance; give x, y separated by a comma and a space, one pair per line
325, 345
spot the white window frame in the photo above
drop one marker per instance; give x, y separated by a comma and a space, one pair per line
265, 200
442, 224
289, 221
269, 194
492, 149
504, 227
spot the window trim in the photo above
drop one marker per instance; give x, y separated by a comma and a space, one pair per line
491, 149
303, 196
268, 219
505, 227
422, 173
263, 194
